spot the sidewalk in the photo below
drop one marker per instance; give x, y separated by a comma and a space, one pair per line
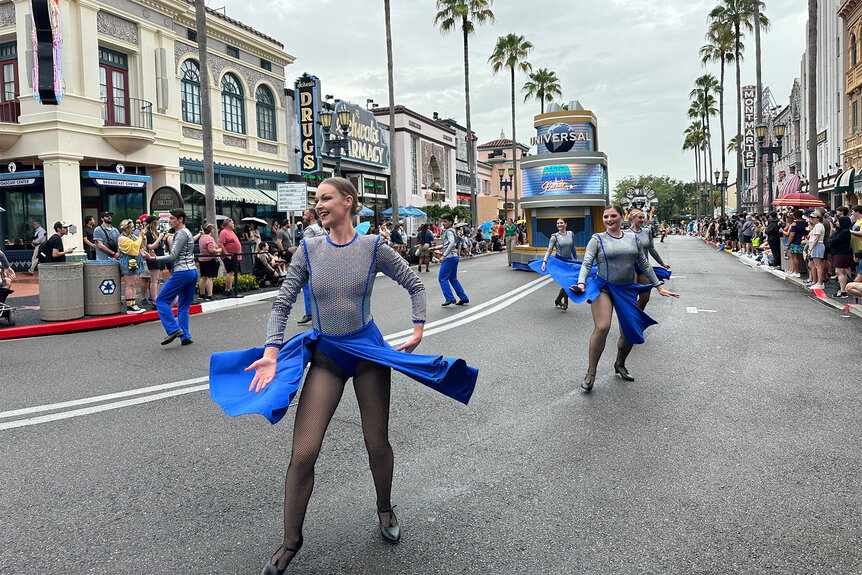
824, 296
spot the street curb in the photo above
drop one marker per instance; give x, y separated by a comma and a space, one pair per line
818, 295
88, 324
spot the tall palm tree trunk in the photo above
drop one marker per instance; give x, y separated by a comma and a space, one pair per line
759, 80
813, 183
739, 142
705, 177
542, 100
514, 148
393, 171
206, 113
709, 147
697, 180
471, 160
721, 119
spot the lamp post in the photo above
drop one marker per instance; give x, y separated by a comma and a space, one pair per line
722, 185
506, 184
770, 151
336, 145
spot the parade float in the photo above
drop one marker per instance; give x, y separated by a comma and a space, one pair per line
567, 178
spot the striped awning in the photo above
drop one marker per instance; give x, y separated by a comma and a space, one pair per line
845, 181
791, 186
235, 194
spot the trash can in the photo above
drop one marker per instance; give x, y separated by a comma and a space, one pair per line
102, 288
61, 291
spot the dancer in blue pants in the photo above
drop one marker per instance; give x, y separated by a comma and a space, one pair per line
449, 266
181, 284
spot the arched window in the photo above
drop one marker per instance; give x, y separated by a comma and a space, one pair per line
232, 105
853, 54
265, 113
191, 91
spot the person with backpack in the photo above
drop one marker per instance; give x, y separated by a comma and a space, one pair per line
51, 250
106, 237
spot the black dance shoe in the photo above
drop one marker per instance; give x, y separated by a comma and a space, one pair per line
391, 531
172, 336
464, 301
186, 341
621, 371
305, 319
280, 559
448, 302
589, 380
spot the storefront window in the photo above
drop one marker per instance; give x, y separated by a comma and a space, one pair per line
22, 207
124, 205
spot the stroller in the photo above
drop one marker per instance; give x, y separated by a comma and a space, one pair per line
7, 312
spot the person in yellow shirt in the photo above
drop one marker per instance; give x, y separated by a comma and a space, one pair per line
131, 261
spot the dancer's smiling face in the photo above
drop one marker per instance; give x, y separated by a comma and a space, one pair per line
561, 225
638, 219
332, 206
612, 218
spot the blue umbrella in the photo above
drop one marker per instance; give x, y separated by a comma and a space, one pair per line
363, 228
416, 212
387, 213
2, 210
486, 225
366, 212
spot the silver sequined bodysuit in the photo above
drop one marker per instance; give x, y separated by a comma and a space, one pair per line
565, 244
647, 244
616, 259
341, 279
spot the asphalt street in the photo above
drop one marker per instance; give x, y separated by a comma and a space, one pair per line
736, 450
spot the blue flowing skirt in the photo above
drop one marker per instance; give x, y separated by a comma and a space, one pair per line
229, 382
661, 273
633, 320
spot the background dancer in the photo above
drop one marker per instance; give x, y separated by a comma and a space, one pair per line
564, 242
449, 265
344, 343
614, 288
311, 229
181, 284
645, 237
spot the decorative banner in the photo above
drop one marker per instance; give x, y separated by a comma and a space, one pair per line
564, 179
366, 138
749, 103
47, 73
308, 95
643, 198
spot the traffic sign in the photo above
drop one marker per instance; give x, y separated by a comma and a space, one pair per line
292, 197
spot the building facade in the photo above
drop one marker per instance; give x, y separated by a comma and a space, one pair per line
129, 122
851, 17
425, 155
831, 100
462, 166
498, 155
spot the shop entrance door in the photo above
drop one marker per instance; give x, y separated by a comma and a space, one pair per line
113, 82
10, 109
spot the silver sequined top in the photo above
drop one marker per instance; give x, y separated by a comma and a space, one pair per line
182, 252
616, 259
647, 245
565, 244
341, 278
450, 241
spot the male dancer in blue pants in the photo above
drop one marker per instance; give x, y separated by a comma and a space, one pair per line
449, 265
181, 284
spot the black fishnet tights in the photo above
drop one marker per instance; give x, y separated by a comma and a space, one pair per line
321, 393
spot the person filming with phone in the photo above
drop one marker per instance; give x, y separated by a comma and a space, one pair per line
51, 250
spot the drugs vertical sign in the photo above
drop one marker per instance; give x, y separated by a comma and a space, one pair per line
749, 106
307, 96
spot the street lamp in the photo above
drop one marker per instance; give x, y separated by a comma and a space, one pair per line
770, 151
722, 185
336, 145
506, 184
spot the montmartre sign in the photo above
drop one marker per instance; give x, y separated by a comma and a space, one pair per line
749, 106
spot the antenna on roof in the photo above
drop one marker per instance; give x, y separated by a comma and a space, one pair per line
222, 9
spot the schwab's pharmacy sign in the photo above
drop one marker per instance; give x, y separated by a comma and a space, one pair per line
366, 138
308, 96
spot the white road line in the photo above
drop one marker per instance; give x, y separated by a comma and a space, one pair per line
98, 398
475, 313
98, 408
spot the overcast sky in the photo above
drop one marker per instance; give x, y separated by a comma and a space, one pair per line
632, 62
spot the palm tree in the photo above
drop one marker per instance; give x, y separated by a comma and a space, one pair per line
451, 14
206, 112
511, 52
393, 177
693, 141
737, 16
542, 85
705, 86
812, 98
700, 110
732, 146
760, 23
719, 48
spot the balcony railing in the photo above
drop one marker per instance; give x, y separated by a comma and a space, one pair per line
10, 108
131, 112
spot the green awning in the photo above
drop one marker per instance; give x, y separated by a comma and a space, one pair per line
222, 193
253, 196
845, 181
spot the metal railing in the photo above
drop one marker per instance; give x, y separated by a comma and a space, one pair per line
10, 108
131, 112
